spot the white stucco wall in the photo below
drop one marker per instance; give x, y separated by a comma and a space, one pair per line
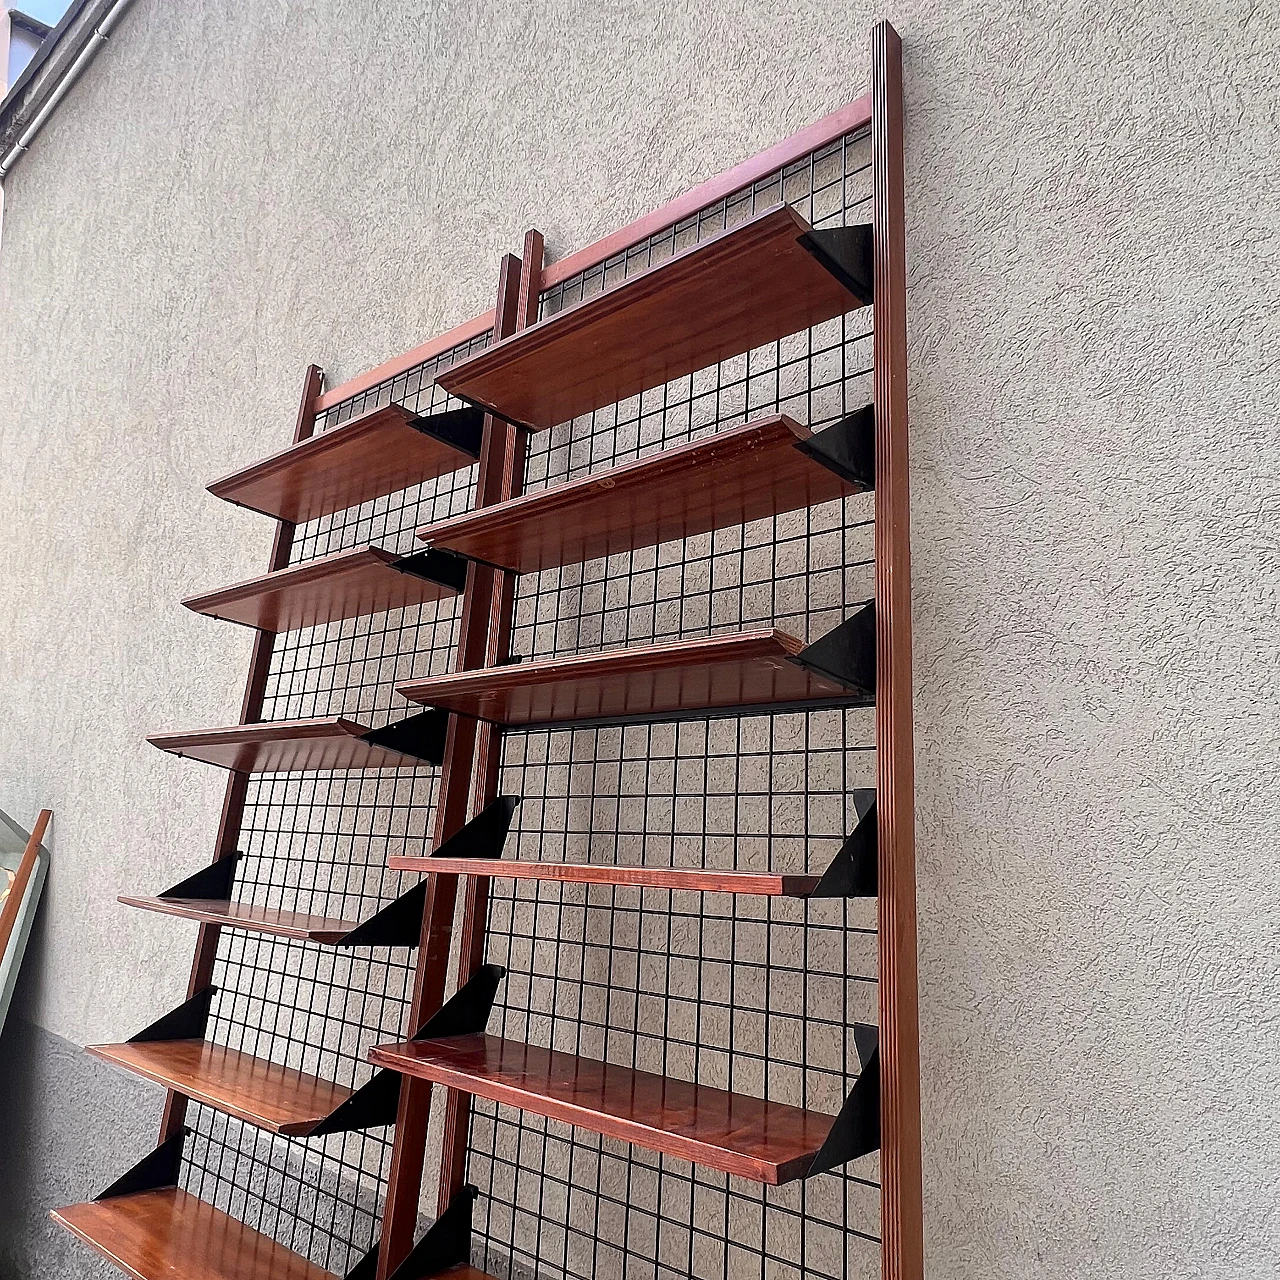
1094, 250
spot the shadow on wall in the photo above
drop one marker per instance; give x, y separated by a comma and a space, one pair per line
69, 1125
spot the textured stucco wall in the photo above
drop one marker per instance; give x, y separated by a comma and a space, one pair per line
1094, 255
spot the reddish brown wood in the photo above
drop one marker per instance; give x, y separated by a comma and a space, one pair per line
162, 1235
747, 286
408, 1152
902, 1252
768, 1142
746, 669
258, 1092
374, 454
346, 584
284, 746
175, 1107
742, 474
22, 878
763, 884
242, 915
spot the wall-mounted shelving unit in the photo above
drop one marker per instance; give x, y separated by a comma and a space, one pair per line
658, 817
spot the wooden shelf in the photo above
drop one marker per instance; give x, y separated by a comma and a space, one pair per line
261, 1093
380, 452
763, 884
160, 1235
765, 1141
240, 915
347, 584
653, 682
743, 474
285, 746
748, 286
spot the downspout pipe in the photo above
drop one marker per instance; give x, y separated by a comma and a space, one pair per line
101, 34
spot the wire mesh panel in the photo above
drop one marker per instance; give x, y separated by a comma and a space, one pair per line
318, 843
754, 995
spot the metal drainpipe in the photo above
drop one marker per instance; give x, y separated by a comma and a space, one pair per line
101, 34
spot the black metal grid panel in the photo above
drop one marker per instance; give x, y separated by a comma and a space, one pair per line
318, 842
754, 995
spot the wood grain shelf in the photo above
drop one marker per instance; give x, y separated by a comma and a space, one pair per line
347, 584
764, 1141
168, 1233
278, 1099
742, 474
241, 915
763, 884
382, 451
287, 746
753, 284
750, 669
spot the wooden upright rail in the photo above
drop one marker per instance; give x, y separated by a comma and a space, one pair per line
902, 1250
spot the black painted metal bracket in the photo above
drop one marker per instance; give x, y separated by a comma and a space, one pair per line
212, 883
367, 1267
485, 835
856, 1131
466, 1013
156, 1170
854, 871
421, 736
187, 1022
442, 567
461, 428
370, 1107
447, 1244
848, 254
398, 924
847, 653
847, 447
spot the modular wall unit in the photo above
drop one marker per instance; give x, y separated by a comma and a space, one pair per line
564, 887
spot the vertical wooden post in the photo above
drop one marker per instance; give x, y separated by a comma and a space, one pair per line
901, 1195
500, 475
175, 1106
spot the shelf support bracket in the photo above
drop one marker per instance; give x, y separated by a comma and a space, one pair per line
466, 1013
421, 736
156, 1170
210, 884
856, 1131
446, 1244
398, 924
847, 447
854, 871
461, 428
445, 568
372, 1106
188, 1021
848, 652
848, 253
485, 835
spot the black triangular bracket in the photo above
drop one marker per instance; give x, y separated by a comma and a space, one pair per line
847, 447
849, 254
466, 1013
367, 1267
370, 1107
856, 1131
460, 428
421, 736
211, 884
447, 1244
156, 1170
854, 871
485, 835
187, 1022
398, 924
443, 567
847, 653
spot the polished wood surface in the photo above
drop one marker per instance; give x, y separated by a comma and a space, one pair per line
763, 884
259, 1092
346, 584
745, 287
283, 746
742, 474
21, 879
242, 915
170, 1234
765, 1141
371, 455
747, 669
901, 1199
